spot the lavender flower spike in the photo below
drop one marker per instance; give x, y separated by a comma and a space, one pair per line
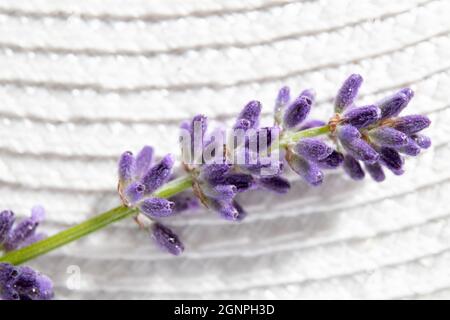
347, 93
411, 124
167, 239
388, 137
297, 110
23, 283
156, 207
313, 149
362, 117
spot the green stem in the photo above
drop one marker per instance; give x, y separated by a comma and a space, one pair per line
104, 219
98, 222
308, 133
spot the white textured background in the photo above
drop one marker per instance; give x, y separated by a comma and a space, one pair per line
83, 80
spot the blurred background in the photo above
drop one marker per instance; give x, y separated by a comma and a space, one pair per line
83, 80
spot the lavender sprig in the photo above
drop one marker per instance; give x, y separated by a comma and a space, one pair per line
362, 139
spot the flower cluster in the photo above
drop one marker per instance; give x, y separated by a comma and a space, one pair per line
139, 178
14, 236
375, 134
222, 164
23, 283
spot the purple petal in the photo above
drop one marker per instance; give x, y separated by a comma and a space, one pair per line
221, 192
214, 173
422, 141
184, 201
297, 112
283, 98
143, 162
348, 92
134, 192
126, 166
362, 117
25, 229
353, 168
312, 124
242, 181
388, 137
411, 124
167, 239
411, 148
391, 159
276, 184
38, 213
158, 174
361, 150
226, 209
250, 113
375, 171
393, 105
348, 133
333, 161
156, 207
31, 285
6, 222
313, 149
309, 171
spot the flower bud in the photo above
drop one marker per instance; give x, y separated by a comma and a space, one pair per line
375, 171
297, 112
347, 93
411, 124
156, 207
388, 137
353, 168
362, 117
167, 239
313, 149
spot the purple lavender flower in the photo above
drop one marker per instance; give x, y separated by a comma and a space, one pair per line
356, 147
313, 149
393, 105
388, 137
411, 148
347, 93
283, 98
158, 174
6, 222
376, 171
391, 159
308, 170
184, 201
23, 283
156, 207
166, 239
24, 233
276, 184
362, 117
411, 124
334, 160
422, 141
250, 114
353, 168
298, 110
